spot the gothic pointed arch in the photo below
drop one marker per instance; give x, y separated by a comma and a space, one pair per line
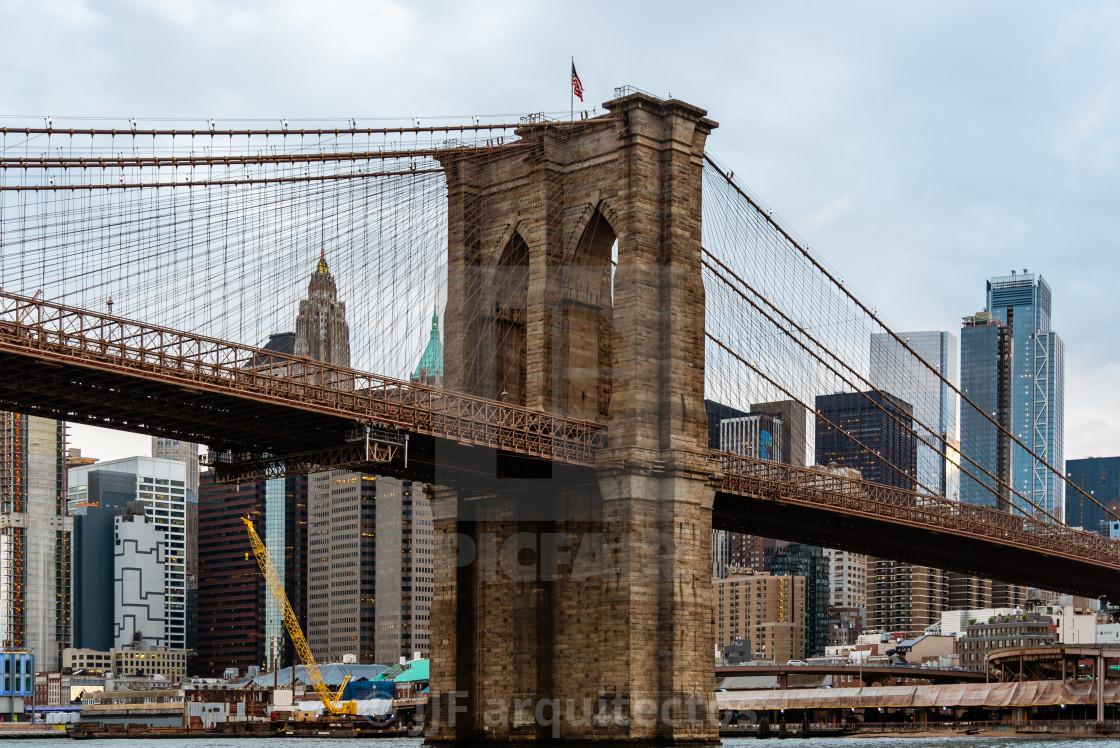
509, 304
587, 311
599, 209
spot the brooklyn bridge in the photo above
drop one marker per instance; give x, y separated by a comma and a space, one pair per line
601, 279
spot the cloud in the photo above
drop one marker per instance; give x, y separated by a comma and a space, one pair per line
822, 217
1092, 30
1095, 138
1092, 409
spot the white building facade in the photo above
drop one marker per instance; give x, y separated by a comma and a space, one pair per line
161, 486
139, 599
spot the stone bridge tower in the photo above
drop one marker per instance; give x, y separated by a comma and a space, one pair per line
576, 603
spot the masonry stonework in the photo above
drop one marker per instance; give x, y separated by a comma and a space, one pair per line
576, 603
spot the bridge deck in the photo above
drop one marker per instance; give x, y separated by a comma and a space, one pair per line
86, 367
814, 505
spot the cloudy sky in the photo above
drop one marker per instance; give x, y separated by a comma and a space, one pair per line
920, 148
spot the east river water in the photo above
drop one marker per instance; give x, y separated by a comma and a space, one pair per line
849, 742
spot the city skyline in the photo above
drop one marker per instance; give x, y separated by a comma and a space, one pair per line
891, 198
633, 340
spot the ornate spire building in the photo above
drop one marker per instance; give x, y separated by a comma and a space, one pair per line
430, 369
321, 330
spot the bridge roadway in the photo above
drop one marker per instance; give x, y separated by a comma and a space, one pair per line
68, 363
81, 366
872, 674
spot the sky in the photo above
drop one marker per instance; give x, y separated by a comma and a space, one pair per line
920, 148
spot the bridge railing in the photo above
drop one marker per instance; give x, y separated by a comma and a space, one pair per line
763, 479
102, 341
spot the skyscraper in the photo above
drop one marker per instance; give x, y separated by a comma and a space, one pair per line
173, 449
284, 500
235, 629
139, 592
1100, 478
877, 421
797, 560
96, 493
187, 453
794, 417
321, 330
231, 588
759, 435
239, 623
1035, 388
322, 334
405, 531
35, 537
986, 351
898, 371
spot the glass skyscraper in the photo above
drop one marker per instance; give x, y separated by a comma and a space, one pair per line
986, 382
1013, 368
1100, 478
877, 420
897, 371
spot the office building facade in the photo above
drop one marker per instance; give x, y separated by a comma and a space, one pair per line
370, 567
764, 433
341, 574
986, 359
911, 366
139, 595
847, 579
231, 588
795, 436
869, 432
405, 532
187, 453
900, 596
1099, 477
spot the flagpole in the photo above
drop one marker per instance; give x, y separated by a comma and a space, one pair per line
572, 91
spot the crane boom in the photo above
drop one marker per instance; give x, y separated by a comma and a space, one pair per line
330, 701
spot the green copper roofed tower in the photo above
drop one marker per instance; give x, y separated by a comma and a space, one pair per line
430, 369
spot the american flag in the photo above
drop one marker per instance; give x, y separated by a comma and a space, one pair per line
577, 87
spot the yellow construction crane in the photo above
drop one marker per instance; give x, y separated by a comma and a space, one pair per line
331, 702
